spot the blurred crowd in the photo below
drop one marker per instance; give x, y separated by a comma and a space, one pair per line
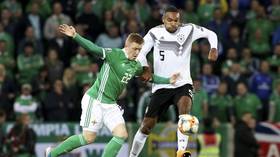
44, 74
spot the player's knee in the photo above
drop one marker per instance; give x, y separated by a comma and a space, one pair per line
147, 125
89, 137
146, 129
124, 135
121, 134
120, 131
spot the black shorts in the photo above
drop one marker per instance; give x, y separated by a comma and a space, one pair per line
163, 98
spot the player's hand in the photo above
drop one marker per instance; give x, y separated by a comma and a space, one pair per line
213, 54
146, 75
67, 30
174, 78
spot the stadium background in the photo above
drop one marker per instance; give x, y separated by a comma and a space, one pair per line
44, 74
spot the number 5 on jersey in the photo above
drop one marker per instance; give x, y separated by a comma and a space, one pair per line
161, 53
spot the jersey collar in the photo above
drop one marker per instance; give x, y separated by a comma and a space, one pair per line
125, 53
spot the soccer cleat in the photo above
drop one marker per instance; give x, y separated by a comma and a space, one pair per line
183, 153
48, 152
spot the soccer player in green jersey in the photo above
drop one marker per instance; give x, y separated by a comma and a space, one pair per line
99, 103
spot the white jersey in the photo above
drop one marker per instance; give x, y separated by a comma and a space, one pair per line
172, 51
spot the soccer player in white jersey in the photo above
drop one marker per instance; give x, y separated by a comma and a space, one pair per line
171, 43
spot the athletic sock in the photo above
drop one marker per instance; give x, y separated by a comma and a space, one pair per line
68, 145
182, 140
113, 147
138, 144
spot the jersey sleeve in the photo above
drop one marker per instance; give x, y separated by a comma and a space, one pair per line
202, 32
149, 41
160, 80
155, 79
90, 46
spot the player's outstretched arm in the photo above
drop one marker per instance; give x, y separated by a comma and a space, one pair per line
213, 54
67, 30
86, 44
154, 78
201, 32
173, 79
148, 44
162, 80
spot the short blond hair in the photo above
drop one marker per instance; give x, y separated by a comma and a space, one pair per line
135, 37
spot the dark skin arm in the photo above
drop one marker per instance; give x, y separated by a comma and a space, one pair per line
147, 74
213, 54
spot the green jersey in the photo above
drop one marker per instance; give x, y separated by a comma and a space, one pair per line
275, 101
222, 104
274, 60
115, 73
82, 61
25, 104
247, 103
29, 67
8, 62
200, 98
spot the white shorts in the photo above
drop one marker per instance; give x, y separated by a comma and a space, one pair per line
95, 114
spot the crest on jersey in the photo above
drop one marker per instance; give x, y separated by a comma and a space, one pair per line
179, 46
181, 38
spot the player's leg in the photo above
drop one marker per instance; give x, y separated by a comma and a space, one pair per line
115, 144
91, 121
114, 121
141, 135
158, 104
73, 142
184, 105
183, 99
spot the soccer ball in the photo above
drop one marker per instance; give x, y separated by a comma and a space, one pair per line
188, 124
